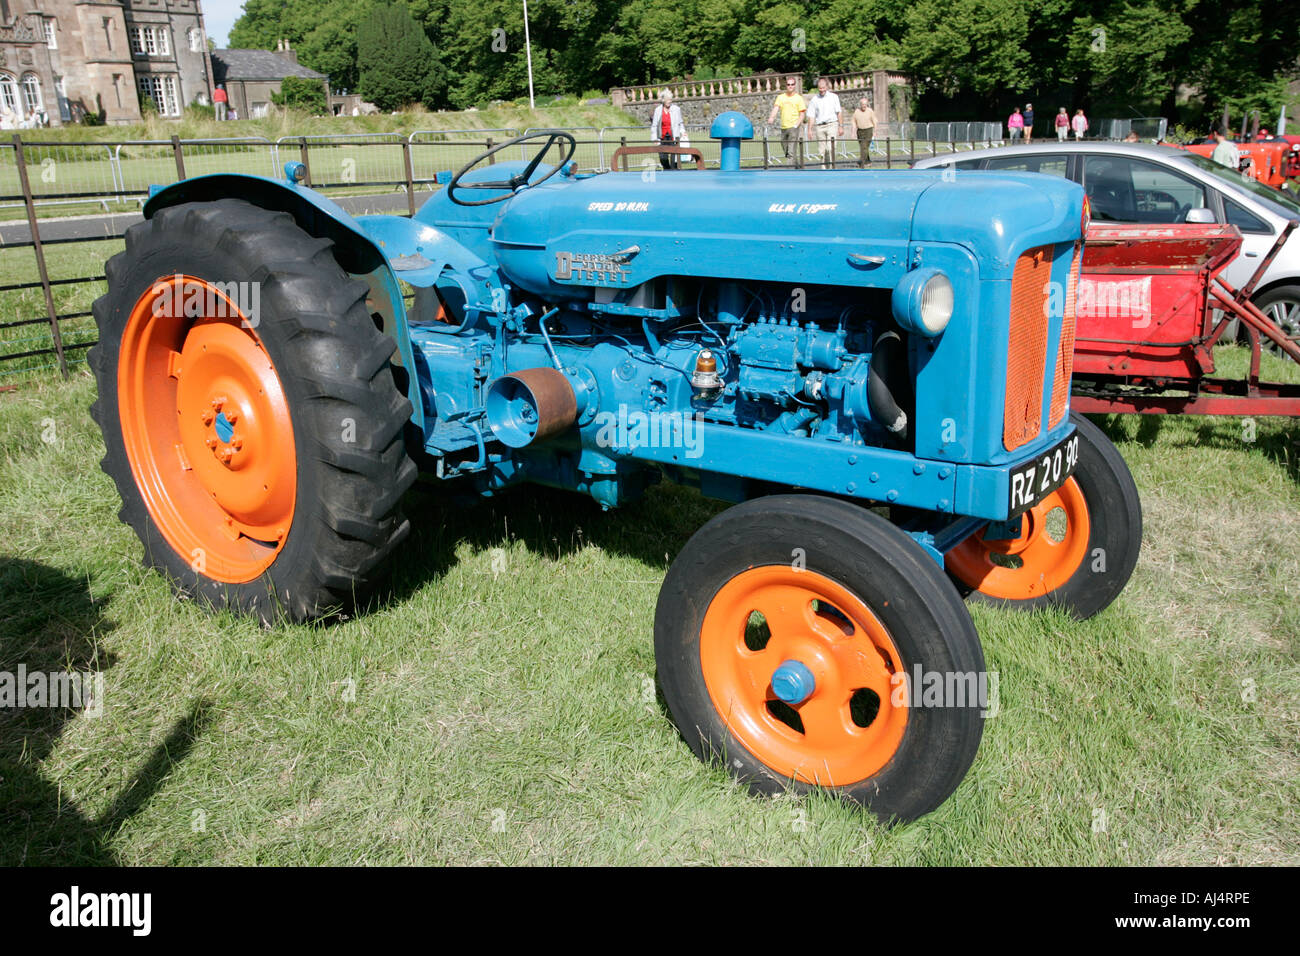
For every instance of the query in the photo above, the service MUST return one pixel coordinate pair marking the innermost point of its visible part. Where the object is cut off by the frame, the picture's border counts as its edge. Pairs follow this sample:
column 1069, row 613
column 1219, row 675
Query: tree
column 398, row 65
column 302, row 93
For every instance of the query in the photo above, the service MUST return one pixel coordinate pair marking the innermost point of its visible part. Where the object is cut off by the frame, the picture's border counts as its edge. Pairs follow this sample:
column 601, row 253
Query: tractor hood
column 618, row 230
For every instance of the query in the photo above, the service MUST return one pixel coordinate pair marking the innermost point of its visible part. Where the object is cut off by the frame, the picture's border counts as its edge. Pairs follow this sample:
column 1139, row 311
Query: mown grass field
column 498, row 705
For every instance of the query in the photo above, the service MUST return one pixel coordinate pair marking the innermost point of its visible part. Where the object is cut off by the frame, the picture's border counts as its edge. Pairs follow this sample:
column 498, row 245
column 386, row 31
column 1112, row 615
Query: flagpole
column 528, row 47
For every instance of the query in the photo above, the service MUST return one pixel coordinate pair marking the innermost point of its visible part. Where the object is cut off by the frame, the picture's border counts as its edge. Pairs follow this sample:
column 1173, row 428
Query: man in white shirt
column 824, row 121
column 1225, row 151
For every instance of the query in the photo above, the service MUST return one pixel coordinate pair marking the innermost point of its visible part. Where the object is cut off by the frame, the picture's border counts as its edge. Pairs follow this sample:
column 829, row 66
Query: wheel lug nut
column 207, row 417
column 232, row 415
column 225, row 455
column 211, row 443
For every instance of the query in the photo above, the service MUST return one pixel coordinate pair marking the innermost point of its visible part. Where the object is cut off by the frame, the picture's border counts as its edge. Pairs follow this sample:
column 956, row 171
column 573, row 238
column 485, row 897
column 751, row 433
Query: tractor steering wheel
column 520, row 180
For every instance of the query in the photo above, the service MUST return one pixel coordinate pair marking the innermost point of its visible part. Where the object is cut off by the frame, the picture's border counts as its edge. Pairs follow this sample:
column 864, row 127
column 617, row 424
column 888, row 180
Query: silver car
column 1142, row 183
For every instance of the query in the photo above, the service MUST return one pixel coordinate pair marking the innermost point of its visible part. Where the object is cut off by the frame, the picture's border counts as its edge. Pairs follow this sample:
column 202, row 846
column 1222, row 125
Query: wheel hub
column 796, row 694
column 793, row 682
column 207, row 431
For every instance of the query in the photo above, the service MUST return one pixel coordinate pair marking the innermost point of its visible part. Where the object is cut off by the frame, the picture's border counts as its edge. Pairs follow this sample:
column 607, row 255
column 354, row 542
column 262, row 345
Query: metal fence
column 45, row 317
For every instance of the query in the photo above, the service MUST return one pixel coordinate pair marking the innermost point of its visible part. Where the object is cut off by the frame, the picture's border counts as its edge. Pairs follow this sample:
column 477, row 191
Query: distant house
column 251, row 76
column 65, row 59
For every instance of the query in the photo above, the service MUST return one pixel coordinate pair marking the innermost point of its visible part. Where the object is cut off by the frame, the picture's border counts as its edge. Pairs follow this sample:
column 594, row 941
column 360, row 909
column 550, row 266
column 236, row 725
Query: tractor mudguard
column 358, row 253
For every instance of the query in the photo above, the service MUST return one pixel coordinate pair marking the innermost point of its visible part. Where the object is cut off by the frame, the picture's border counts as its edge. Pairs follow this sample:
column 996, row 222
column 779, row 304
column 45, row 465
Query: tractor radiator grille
column 1022, row 413
column 1065, row 354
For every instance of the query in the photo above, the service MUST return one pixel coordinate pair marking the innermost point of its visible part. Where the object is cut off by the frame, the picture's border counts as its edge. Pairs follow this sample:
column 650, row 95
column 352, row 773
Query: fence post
column 304, row 158
column 492, row 160
column 911, row 151
column 410, row 177
column 21, row 162
column 889, row 154
column 180, row 157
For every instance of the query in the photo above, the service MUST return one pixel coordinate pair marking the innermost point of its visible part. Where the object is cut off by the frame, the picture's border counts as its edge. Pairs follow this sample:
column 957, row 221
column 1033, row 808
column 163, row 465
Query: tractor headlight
column 923, row 302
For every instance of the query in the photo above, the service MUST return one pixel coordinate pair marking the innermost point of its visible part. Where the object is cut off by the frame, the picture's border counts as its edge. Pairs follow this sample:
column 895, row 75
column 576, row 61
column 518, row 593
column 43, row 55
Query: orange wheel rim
column 206, row 428
column 852, row 721
column 1036, row 563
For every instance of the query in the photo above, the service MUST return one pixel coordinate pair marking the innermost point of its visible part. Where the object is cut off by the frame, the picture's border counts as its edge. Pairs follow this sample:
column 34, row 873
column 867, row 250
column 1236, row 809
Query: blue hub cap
column 793, row 682
column 225, row 430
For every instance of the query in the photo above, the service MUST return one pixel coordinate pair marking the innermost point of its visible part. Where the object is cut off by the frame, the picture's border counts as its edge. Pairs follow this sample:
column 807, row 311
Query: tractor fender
column 356, row 252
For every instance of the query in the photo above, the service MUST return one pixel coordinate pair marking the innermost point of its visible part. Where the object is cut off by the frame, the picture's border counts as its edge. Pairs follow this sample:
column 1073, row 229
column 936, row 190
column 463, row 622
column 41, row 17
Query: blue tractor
column 873, row 366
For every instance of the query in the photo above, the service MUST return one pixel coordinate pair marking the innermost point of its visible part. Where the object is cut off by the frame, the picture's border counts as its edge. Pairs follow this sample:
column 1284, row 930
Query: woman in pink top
column 1015, row 123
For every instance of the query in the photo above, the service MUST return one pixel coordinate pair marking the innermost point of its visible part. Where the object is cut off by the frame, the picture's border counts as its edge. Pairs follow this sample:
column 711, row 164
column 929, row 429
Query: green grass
column 507, row 678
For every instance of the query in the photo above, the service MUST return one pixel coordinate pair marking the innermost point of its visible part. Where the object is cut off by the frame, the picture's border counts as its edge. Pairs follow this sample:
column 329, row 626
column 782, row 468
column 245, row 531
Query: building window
column 61, row 91
column 151, row 41
column 117, row 88
column 8, row 94
column 196, row 40
column 51, row 38
column 162, row 90
column 32, row 93
column 108, row 32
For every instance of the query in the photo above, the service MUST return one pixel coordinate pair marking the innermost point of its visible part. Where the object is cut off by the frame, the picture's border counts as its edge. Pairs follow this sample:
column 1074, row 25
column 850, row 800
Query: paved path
column 94, row 227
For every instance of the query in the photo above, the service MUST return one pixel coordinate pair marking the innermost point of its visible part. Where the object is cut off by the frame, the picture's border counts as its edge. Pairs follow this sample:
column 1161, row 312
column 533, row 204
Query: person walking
column 1062, row 125
column 219, row 101
column 1079, row 124
column 1225, row 150
column 666, row 125
column 790, row 107
column 864, row 127
column 1029, row 121
column 824, row 117
column 1015, row 124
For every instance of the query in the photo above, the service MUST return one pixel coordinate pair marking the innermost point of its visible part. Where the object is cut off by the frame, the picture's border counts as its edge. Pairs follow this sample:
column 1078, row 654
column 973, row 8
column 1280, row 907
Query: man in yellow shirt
column 790, row 107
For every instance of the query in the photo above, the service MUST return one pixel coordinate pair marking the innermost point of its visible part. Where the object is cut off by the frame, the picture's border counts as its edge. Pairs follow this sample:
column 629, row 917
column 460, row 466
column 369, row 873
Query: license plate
column 1036, row 479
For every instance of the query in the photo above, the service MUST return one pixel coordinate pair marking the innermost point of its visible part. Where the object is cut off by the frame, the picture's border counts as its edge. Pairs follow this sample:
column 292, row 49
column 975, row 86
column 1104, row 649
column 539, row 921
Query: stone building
column 70, row 58
column 251, row 76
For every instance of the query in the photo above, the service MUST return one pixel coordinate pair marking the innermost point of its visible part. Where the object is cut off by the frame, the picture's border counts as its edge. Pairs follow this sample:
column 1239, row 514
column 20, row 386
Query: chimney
column 283, row 49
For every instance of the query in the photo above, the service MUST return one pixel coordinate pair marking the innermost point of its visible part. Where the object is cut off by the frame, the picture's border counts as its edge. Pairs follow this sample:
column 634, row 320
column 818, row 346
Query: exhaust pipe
column 530, row 406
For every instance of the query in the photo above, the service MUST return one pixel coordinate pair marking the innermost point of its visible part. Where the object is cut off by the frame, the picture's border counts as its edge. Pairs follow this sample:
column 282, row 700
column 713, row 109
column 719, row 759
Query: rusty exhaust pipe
column 530, row 406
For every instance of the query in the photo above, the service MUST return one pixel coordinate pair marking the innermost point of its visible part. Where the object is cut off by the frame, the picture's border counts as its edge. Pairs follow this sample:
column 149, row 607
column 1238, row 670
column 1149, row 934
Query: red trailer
column 1151, row 305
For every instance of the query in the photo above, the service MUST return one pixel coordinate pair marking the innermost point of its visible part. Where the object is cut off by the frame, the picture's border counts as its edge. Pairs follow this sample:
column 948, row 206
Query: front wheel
column 794, row 636
column 1077, row 547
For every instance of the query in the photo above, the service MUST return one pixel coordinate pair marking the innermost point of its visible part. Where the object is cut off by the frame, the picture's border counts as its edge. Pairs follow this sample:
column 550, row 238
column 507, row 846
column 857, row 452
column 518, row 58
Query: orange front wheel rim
column 770, row 623
column 1052, row 546
column 207, row 430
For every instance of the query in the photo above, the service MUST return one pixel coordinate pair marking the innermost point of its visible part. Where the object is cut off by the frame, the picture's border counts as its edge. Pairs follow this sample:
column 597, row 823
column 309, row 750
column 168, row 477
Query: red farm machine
column 1152, row 305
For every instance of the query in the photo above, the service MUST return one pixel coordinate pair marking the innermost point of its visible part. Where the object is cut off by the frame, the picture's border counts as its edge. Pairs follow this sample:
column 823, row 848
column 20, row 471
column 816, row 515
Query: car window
column 1050, row 163
column 1124, row 189
column 1243, row 219
column 1274, row 200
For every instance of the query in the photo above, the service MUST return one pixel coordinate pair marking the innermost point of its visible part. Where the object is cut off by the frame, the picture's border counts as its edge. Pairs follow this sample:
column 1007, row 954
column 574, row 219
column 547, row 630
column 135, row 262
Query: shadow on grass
column 551, row 523
column 49, row 625
column 1225, row 433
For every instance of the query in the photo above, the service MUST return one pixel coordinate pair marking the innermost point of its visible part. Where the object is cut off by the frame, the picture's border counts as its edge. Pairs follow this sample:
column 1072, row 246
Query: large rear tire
column 789, row 636
column 1077, row 547
column 250, row 416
